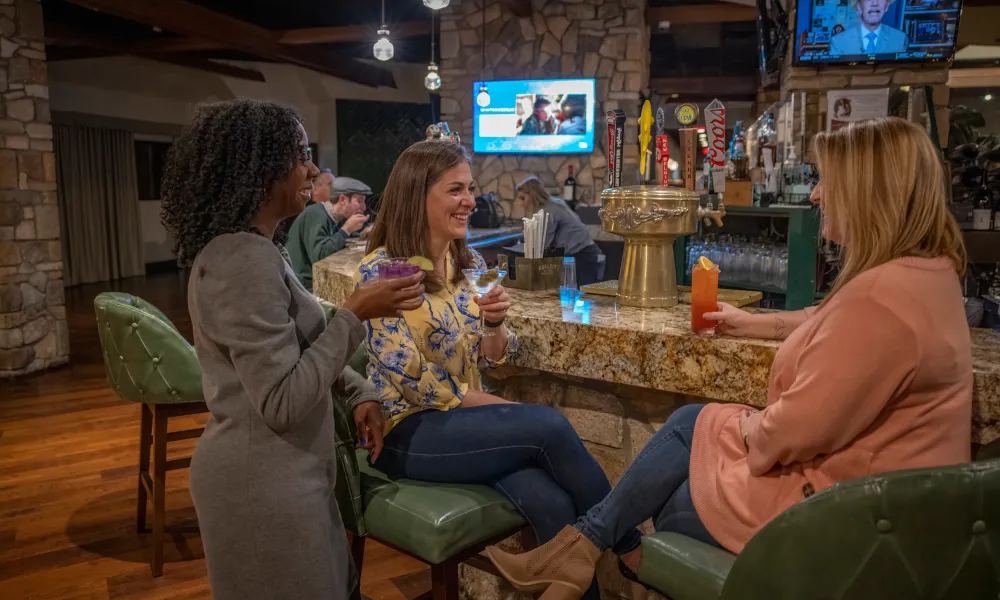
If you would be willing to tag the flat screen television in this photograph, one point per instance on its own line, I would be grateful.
(875, 31)
(550, 116)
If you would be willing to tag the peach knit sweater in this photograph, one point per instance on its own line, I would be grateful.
(879, 379)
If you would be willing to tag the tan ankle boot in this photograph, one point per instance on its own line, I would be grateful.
(563, 568)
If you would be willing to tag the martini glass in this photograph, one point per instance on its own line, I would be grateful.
(484, 281)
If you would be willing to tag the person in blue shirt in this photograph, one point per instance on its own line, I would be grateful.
(871, 36)
(337, 213)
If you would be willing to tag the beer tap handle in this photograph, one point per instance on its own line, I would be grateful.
(709, 215)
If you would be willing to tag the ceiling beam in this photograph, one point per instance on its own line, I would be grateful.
(519, 8)
(104, 45)
(188, 19)
(715, 12)
(291, 37)
(705, 87)
(350, 33)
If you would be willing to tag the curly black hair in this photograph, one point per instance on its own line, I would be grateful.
(219, 171)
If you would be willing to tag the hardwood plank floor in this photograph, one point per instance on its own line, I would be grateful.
(68, 460)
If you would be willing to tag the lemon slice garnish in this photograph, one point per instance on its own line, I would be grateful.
(706, 264)
(424, 263)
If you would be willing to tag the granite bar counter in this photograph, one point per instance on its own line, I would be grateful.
(591, 337)
(618, 372)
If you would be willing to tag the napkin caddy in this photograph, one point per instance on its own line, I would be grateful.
(535, 274)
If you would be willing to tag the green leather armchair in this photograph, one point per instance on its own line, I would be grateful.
(924, 533)
(149, 362)
(439, 524)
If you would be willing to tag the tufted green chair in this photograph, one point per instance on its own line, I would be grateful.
(441, 525)
(923, 533)
(149, 362)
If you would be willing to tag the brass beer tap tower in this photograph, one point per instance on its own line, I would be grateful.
(649, 217)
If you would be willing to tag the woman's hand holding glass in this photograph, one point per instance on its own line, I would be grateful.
(494, 305)
(768, 326)
(386, 298)
(733, 321)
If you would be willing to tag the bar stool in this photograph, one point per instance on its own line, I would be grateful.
(148, 361)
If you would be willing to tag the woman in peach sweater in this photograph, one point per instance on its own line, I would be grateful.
(877, 378)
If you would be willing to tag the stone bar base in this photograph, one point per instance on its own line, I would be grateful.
(615, 422)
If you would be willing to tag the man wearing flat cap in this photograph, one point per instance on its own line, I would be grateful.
(337, 213)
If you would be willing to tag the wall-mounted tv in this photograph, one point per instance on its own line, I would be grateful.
(875, 31)
(551, 116)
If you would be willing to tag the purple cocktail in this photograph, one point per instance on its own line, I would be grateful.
(395, 268)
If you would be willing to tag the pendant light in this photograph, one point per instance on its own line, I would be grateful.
(432, 81)
(383, 49)
(436, 4)
(483, 98)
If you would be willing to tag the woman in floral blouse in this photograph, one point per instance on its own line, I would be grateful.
(440, 425)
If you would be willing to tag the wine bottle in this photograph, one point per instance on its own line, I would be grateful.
(569, 190)
(982, 211)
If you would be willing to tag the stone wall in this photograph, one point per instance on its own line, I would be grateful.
(33, 332)
(615, 422)
(604, 39)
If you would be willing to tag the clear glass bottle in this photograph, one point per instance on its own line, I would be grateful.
(982, 210)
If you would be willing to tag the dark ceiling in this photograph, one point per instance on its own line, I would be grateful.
(270, 14)
(687, 49)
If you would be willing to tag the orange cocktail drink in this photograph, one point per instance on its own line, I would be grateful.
(704, 295)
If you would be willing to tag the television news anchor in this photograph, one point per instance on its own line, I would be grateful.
(871, 36)
(877, 378)
(263, 474)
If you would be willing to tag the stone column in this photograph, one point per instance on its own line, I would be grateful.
(604, 39)
(33, 332)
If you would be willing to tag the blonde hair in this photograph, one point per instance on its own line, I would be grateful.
(884, 188)
(532, 186)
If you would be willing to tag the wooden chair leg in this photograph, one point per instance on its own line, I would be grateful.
(145, 439)
(358, 554)
(159, 487)
(358, 551)
(444, 580)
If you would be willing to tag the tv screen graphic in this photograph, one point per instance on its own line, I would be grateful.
(551, 116)
(874, 31)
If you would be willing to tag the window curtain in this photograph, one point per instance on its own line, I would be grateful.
(98, 204)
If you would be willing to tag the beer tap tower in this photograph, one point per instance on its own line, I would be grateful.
(649, 217)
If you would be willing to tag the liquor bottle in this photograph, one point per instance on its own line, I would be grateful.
(996, 213)
(569, 190)
(982, 210)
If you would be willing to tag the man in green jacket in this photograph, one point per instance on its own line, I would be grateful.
(337, 213)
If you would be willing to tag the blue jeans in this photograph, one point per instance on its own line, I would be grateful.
(655, 486)
(528, 453)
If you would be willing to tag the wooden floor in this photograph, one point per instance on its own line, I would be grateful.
(68, 456)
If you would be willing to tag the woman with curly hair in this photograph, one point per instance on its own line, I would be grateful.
(263, 474)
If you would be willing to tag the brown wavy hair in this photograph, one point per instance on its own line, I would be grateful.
(401, 225)
(884, 188)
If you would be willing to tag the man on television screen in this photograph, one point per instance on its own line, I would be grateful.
(871, 36)
(540, 122)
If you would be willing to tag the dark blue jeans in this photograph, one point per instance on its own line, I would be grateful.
(655, 486)
(528, 453)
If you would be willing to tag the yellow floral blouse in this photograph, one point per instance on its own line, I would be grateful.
(429, 358)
